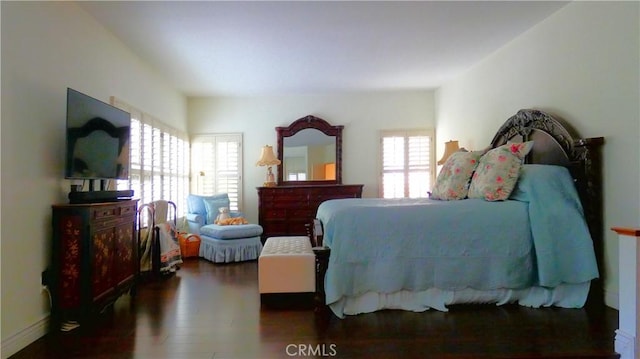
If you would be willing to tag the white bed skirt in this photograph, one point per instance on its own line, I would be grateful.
(564, 296)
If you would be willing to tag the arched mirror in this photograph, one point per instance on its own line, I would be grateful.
(310, 152)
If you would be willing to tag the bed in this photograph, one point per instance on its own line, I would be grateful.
(538, 246)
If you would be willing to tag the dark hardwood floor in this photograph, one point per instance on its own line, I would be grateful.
(214, 311)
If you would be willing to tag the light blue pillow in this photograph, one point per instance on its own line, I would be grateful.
(213, 206)
(195, 203)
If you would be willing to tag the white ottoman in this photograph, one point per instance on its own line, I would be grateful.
(287, 265)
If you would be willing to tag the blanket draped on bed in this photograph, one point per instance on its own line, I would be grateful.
(539, 239)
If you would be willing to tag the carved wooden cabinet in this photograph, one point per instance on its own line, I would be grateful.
(285, 210)
(94, 257)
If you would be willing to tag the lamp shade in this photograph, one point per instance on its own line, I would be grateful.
(449, 148)
(267, 157)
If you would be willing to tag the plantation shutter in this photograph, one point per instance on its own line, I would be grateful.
(217, 166)
(159, 160)
(393, 182)
(406, 161)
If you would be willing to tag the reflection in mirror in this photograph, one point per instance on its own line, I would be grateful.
(310, 150)
(309, 155)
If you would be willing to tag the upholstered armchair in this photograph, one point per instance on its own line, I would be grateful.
(221, 243)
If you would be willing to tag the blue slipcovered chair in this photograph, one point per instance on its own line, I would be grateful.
(221, 243)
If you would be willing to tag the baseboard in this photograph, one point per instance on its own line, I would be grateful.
(23, 338)
(625, 345)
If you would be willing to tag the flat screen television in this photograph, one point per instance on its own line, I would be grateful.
(98, 139)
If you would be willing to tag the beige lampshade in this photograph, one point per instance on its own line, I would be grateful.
(267, 157)
(449, 148)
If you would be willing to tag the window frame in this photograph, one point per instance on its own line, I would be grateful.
(217, 183)
(406, 134)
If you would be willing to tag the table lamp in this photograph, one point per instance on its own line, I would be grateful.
(449, 148)
(268, 158)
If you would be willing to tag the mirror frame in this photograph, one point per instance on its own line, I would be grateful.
(310, 122)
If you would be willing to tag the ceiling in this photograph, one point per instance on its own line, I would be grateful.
(241, 48)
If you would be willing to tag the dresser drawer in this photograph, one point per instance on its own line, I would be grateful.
(301, 213)
(104, 212)
(128, 210)
(288, 204)
(286, 199)
(292, 196)
(275, 228)
(271, 213)
(286, 210)
(297, 228)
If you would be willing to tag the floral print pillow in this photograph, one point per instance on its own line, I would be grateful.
(498, 171)
(453, 180)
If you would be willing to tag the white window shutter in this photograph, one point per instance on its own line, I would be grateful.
(159, 160)
(393, 181)
(406, 162)
(217, 166)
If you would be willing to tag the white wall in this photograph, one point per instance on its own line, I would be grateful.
(362, 114)
(47, 47)
(581, 64)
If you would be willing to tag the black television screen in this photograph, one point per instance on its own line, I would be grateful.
(98, 139)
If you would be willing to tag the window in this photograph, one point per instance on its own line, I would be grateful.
(407, 158)
(217, 166)
(295, 176)
(159, 160)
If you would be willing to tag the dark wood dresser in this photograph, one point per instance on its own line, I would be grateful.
(94, 257)
(285, 210)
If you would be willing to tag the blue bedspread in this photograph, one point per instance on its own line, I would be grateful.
(382, 245)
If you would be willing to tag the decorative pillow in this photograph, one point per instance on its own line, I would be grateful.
(213, 206)
(498, 171)
(453, 180)
(195, 203)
